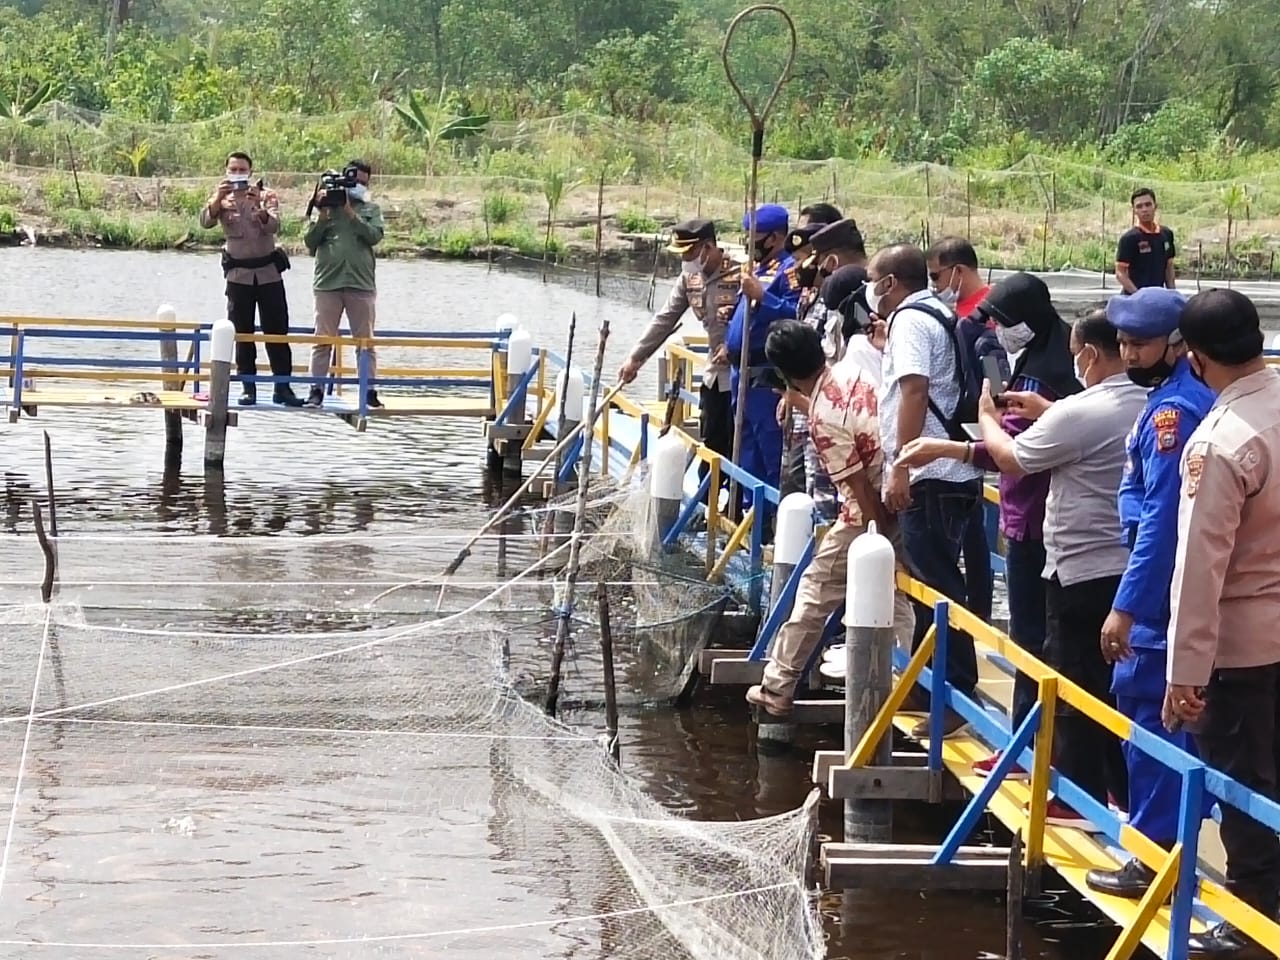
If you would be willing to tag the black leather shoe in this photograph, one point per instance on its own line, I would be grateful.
(248, 398)
(315, 398)
(371, 399)
(285, 396)
(1224, 940)
(1130, 881)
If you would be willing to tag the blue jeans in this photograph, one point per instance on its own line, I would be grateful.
(1023, 566)
(933, 532)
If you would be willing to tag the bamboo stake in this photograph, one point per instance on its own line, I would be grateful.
(575, 542)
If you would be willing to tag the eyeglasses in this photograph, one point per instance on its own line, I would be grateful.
(934, 275)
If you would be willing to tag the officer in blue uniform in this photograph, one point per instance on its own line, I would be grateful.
(1134, 635)
(773, 292)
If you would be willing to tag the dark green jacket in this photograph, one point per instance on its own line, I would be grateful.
(343, 247)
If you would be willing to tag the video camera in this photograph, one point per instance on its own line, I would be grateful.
(335, 185)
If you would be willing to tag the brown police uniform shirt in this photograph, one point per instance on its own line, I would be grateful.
(247, 237)
(1226, 578)
(712, 299)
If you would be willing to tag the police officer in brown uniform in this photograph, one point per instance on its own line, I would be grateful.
(708, 285)
(1224, 649)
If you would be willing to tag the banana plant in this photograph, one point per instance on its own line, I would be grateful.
(19, 111)
(433, 124)
(136, 157)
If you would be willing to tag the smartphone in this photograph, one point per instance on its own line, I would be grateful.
(994, 376)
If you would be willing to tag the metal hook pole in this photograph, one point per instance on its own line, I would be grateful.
(758, 117)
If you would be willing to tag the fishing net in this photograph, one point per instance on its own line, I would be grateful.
(227, 764)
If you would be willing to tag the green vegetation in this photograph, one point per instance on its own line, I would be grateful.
(1025, 126)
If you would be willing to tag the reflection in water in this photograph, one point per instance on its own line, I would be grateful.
(311, 479)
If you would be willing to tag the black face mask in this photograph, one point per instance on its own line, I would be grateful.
(808, 274)
(1198, 374)
(762, 247)
(1154, 375)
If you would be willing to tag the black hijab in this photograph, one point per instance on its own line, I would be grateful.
(1024, 298)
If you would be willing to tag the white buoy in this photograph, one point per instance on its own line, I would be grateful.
(868, 671)
(166, 317)
(570, 394)
(519, 352)
(668, 461)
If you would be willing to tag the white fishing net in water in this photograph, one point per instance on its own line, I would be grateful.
(225, 785)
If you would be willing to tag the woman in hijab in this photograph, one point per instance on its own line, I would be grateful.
(1028, 327)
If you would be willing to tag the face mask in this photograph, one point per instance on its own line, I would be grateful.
(691, 266)
(1081, 375)
(762, 247)
(1014, 339)
(1195, 368)
(1154, 375)
(948, 298)
(358, 192)
(875, 298)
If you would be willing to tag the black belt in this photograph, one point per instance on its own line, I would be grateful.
(276, 258)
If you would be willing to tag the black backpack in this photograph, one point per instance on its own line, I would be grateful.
(966, 338)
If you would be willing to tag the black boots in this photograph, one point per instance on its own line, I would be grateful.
(1130, 881)
(315, 398)
(285, 396)
(1224, 940)
(250, 395)
(371, 399)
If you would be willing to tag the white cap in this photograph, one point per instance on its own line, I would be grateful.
(870, 586)
(668, 465)
(794, 528)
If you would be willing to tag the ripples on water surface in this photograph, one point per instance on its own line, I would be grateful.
(378, 508)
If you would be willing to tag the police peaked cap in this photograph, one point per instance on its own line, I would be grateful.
(691, 232)
(841, 235)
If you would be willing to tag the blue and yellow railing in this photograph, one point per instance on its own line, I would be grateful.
(1183, 897)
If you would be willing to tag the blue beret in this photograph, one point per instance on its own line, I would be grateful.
(769, 218)
(1147, 313)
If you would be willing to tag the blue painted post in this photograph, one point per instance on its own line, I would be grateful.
(1190, 811)
(18, 383)
(196, 337)
(759, 503)
(938, 686)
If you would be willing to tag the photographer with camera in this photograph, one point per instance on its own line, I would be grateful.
(342, 238)
(252, 264)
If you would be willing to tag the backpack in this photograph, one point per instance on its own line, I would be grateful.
(970, 342)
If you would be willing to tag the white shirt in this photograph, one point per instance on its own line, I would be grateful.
(862, 353)
(918, 345)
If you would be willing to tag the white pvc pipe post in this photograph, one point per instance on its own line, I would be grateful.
(792, 535)
(667, 465)
(570, 396)
(868, 675)
(519, 359)
(167, 322)
(222, 344)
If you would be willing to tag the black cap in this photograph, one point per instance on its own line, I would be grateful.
(800, 236)
(841, 235)
(685, 235)
(842, 284)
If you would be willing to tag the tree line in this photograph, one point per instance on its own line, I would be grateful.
(1143, 81)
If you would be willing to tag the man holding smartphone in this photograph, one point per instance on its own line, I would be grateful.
(250, 219)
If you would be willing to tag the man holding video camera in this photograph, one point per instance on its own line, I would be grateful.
(252, 264)
(342, 238)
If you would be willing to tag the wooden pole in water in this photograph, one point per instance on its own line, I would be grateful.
(599, 230)
(165, 318)
(610, 679)
(222, 345)
(48, 485)
(1013, 901)
(50, 557)
(575, 543)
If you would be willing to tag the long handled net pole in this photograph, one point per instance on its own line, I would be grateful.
(758, 115)
(579, 519)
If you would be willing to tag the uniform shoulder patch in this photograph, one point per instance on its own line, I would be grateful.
(1166, 423)
(1191, 472)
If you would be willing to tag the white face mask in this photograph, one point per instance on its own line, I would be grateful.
(948, 297)
(1081, 375)
(691, 266)
(1014, 339)
(875, 299)
(359, 192)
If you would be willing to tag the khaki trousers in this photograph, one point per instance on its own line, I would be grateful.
(821, 589)
(360, 307)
